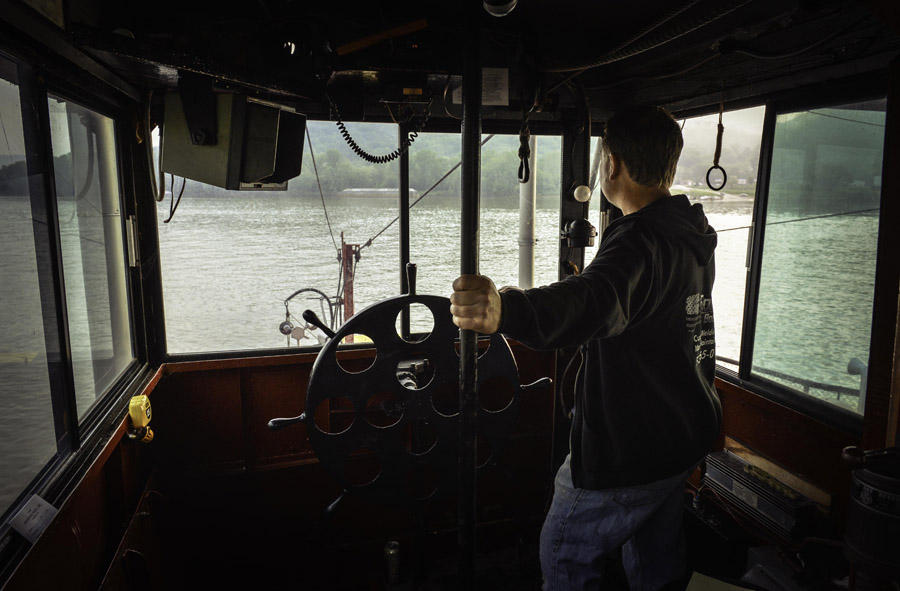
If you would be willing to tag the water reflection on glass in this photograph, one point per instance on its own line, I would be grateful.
(27, 437)
(818, 269)
(90, 226)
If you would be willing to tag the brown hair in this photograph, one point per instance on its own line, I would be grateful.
(648, 140)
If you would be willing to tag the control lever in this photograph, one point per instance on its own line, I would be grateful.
(311, 317)
(411, 278)
(539, 383)
(276, 424)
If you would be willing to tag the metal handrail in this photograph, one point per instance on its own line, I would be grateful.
(806, 384)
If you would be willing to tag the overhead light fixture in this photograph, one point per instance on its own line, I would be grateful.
(499, 7)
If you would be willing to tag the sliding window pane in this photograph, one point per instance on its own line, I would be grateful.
(818, 269)
(94, 265)
(729, 210)
(27, 437)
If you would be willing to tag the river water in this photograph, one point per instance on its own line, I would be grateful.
(229, 262)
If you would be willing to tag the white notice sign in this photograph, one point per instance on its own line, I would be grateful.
(33, 518)
(494, 88)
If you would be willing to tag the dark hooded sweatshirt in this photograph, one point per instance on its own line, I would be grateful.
(645, 405)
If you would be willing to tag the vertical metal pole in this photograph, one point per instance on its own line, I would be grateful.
(404, 226)
(347, 255)
(527, 197)
(574, 171)
(468, 382)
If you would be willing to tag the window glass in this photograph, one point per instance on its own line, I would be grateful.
(729, 210)
(435, 221)
(94, 263)
(818, 267)
(230, 259)
(27, 437)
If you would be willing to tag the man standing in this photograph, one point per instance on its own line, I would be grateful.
(646, 411)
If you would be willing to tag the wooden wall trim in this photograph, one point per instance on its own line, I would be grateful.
(806, 447)
(877, 428)
(71, 553)
(177, 367)
(893, 428)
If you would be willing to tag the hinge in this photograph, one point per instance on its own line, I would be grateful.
(131, 241)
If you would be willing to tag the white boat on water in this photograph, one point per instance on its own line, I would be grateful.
(372, 193)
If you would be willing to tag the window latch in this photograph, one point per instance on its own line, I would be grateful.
(131, 241)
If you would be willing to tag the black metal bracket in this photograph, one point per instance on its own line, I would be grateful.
(199, 104)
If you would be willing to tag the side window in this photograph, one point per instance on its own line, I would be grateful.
(814, 310)
(729, 210)
(92, 246)
(27, 438)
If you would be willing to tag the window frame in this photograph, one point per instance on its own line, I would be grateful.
(37, 79)
(541, 129)
(61, 91)
(805, 99)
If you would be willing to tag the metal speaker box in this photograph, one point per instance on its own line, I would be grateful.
(259, 145)
(768, 502)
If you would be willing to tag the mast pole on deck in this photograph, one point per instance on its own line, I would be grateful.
(527, 198)
(468, 383)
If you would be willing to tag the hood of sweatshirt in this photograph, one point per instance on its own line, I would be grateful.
(675, 216)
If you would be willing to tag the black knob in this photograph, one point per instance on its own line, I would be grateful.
(311, 317)
(411, 278)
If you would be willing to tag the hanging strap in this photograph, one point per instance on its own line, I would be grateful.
(718, 154)
(524, 152)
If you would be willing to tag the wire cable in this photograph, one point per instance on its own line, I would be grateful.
(312, 155)
(761, 55)
(872, 123)
(646, 31)
(812, 217)
(174, 203)
(631, 48)
(382, 158)
(422, 196)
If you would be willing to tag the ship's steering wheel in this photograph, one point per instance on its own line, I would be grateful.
(404, 406)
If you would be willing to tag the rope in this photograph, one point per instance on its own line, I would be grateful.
(524, 152)
(718, 154)
(422, 196)
(312, 155)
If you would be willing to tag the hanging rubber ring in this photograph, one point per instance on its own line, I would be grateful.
(724, 177)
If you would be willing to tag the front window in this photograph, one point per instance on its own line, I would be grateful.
(230, 259)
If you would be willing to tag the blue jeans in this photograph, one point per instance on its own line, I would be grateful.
(583, 526)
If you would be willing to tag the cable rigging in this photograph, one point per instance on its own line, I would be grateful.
(422, 196)
(312, 155)
(804, 219)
